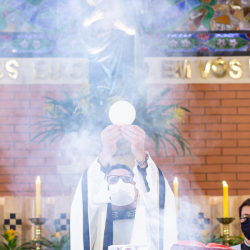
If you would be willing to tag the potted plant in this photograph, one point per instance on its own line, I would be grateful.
(89, 112)
(58, 241)
(12, 243)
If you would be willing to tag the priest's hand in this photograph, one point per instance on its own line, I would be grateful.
(110, 135)
(136, 136)
(95, 16)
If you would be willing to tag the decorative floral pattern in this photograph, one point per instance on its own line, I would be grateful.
(233, 42)
(43, 27)
(203, 49)
(203, 36)
(173, 43)
(36, 44)
(185, 43)
(24, 44)
(221, 43)
(155, 45)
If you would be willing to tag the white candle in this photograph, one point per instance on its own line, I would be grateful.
(38, 197)
(175, 185)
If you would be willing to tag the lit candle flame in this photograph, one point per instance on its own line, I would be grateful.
(175, 179)
(38, 178)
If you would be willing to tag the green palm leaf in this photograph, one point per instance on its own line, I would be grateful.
(187, 110)
(158, 97)
(156, 140)
(172, 144)
(154, 119)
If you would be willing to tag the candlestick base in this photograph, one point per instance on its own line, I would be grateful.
(225, 222)
(38, 222)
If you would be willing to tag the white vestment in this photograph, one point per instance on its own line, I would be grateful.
(237, 247)
(155, 217)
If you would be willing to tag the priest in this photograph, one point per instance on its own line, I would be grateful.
(114, 205)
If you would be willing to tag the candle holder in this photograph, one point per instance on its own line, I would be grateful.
(38, 222)
(225, 222)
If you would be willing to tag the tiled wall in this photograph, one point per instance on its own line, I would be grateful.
(217, 129)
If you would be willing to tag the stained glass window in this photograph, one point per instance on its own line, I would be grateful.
(52, 27)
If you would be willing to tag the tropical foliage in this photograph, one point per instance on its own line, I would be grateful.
(89, 111)
(58, 242)
(206, 237)
(12, 242)
(234, 240)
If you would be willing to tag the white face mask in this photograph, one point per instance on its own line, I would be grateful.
(122, 193)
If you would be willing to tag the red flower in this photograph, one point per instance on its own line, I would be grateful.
(6, 37)
(6, 50)
(203, 49)
(203, 36)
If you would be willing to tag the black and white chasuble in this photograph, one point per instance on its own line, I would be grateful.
(92, 226)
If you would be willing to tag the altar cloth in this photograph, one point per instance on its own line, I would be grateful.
(130, 247)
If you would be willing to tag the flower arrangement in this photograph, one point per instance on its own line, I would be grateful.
(58, 241)
(89, 111)
(207, 237)
(234, 240)
(12, 242)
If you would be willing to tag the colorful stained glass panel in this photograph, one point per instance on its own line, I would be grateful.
(170, 26)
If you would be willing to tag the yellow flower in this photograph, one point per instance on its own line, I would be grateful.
(83, 105)
(204, 233)
(178, 113)
(56, 235)
(11, 234)
(85, 89)
(52, 109)
(49, 107)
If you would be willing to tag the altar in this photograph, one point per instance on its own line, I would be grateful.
(196, 216)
